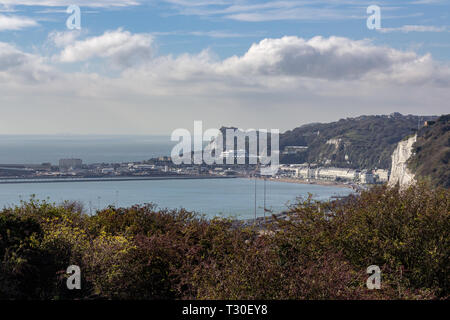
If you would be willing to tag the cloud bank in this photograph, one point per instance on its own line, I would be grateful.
(124, 48)
(298, 59)
(413, 28)
(15, 22)
(65, 3)
(278, 83)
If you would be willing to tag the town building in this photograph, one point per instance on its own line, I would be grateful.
(70, 164)
(294, 149)
(366, 177)
(108, 170)
(336, 174)
(381, 175)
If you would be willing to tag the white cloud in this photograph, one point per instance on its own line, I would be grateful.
(297, 59)
(220, 34)
(15, 22)
(63, 38)
(258, 11)
(318, 57)
(278, 83)
(122, 47)
(279, 10)
(428, 2)
(84, 3)
(17, 66)
(413, 28)
(268, 63)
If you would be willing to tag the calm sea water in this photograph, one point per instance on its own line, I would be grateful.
(37, 149)
(213, 197)
(228, 197)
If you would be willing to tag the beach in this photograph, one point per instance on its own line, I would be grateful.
(312, 182)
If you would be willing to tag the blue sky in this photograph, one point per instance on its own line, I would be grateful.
(170, 46)
(229, 27)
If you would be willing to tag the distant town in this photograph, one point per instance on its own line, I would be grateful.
(339, 153)
(163, 168)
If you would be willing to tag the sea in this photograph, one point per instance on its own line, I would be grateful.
(37, 149)
(233, 197)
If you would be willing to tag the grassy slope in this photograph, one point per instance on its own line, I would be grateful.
(432, 153)
(368, 141)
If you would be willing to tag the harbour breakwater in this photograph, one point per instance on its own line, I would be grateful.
(56, 180)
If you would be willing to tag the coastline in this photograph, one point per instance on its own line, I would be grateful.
(115, 179)
(175, 177)
(313, 182)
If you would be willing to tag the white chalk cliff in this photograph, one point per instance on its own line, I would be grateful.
(399, 170)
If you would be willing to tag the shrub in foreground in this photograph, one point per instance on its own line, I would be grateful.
(320, 251)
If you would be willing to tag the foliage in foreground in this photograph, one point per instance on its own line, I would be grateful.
(431, 157)
(320, 252)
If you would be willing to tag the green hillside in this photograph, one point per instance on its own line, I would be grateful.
(432, 152)
(365, 142)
